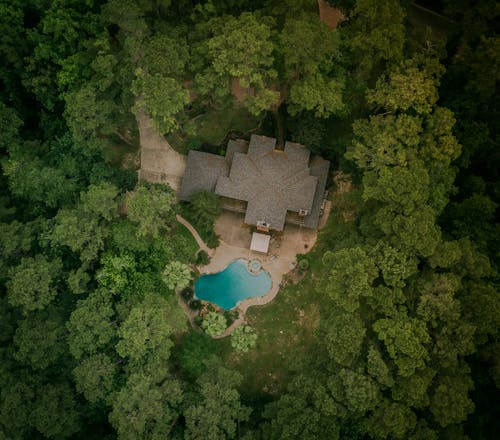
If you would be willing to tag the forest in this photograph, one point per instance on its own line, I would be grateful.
(393, 332)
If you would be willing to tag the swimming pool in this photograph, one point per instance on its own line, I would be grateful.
(232, 285)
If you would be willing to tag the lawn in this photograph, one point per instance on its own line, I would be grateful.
(286, 332)
(189, 245)
(206, 231)
(287, 326)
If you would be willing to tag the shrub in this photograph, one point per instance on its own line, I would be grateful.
(198, 320)
(187, 294)
(195, 304)
(243, 338)
(202, 258)
(230, 316)
(213, 241)
(214, 324)
(193, 143)
(176, 275)
(303, 264)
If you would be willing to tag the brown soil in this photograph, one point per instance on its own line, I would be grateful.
(329, 15)
(240, 92)
(343, 182)
(188, 84)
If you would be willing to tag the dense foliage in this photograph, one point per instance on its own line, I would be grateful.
(94, 344)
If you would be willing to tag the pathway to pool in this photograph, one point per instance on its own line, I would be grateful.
(195, 234)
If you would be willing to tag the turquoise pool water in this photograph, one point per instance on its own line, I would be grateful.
(234, 284)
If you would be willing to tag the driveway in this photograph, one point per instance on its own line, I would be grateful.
(160, 163)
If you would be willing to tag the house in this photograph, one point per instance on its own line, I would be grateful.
(271, 186)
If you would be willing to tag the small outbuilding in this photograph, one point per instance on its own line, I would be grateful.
(260, 242)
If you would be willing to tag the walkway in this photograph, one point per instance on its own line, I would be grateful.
(160, 163)
(194, 233)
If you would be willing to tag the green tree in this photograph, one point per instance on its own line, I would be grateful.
(32, 283)
(146, 332)
(88, 117)
(101, 200)
(94, 377)
(10, 122)
(450, 402)
(237, 48)
(312, 67)
(161, 97)
(152, 207)
(214, 324)
(39, 339)
(176, 275)
(405, 340)
(361, 392)
(344, 335)
(145, 409)
(243, 338)
(405, 88)
(91, 326)
(350, 274)
(319, 94)
(54, 413)
(78, 232)
(30, 179)
(395, 266)
(116, 273)
(196, 346)
(16, 407)
(217, 411)
(166, 55)
(414, 390)
(307, 411)
(15, 242)
(206, 206)
(390, 420)
(377, 32)
(377, 368)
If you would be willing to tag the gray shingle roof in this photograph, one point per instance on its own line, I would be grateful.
(235, 146)
(202, 172)
(319, 168)
(271, 181)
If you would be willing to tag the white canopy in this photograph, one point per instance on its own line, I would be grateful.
(260, 242)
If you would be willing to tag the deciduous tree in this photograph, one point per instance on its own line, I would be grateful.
(152, 207)
(94, 377)
(243, 338)
(218, 410)
(91, 325)
(214, 324)
(145, 409)
(176, 275)
(32, 284)
(40, 339)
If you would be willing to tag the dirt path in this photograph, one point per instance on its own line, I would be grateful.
(160, 163)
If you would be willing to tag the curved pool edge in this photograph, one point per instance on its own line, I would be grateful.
(243, 304)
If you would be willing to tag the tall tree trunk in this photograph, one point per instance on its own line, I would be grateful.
(280, 143)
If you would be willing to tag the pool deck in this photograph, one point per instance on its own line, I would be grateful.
(235, 239)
